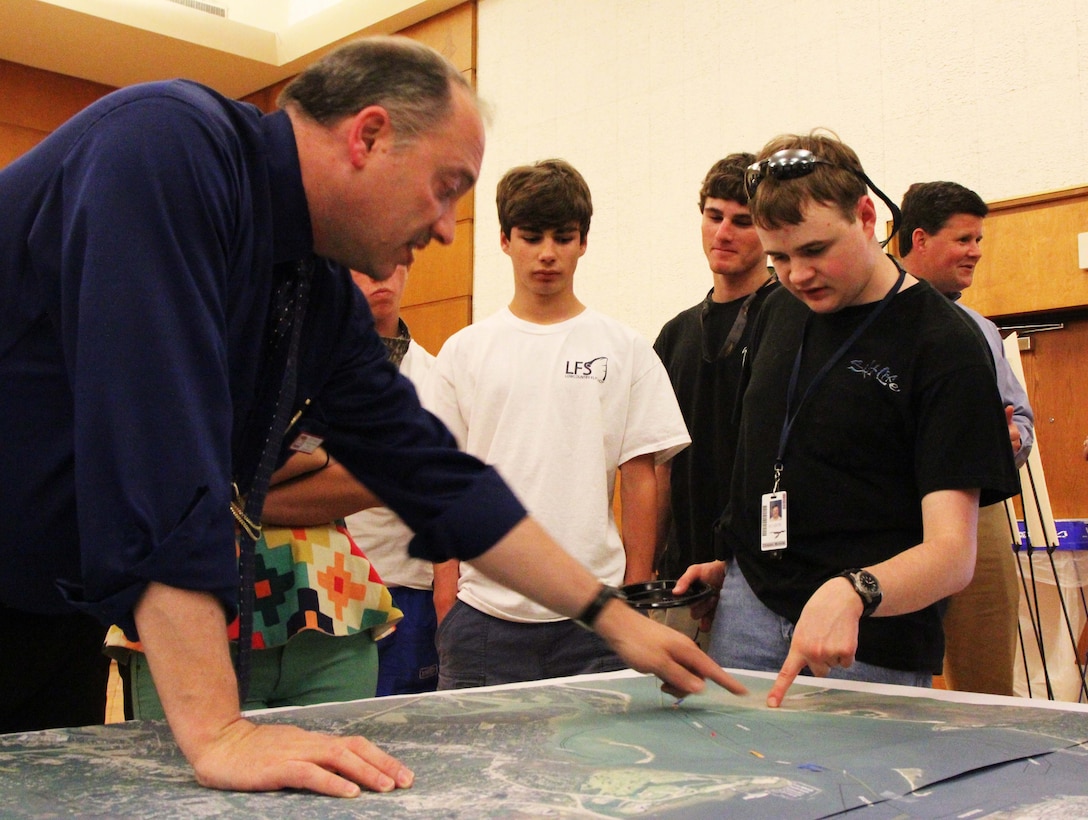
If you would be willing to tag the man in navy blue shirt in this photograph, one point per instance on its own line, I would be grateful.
(140, 246)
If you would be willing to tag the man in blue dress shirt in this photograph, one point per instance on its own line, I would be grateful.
(140, 246)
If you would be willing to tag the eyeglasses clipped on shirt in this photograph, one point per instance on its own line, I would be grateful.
(794, 163)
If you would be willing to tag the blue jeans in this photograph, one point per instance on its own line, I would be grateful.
(748, 635)
(476, 649)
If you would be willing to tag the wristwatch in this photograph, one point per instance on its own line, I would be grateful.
(867, 587)
(592, 612)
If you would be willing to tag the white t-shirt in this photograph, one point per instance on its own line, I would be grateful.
(556, 408)
(379, 531)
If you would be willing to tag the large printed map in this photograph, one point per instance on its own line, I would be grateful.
(607, 747)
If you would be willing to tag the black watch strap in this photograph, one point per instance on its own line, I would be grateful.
(589, 615)
(867, 587)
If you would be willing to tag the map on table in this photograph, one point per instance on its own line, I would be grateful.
(608, 746)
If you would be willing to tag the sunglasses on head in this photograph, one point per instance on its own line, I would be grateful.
(793, 163)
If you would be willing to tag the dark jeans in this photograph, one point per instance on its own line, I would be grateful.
(475, 649)
(53, 672)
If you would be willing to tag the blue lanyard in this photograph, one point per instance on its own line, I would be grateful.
(791, 417)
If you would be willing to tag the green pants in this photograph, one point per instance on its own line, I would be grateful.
(311, 668)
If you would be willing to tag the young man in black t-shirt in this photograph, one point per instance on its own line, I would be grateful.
(872, 417)
(702, 349)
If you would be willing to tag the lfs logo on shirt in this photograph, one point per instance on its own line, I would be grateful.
(593, 369)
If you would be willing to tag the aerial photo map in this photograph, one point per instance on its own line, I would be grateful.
(609, 746)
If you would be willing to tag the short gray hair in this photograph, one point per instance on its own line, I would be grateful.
(413, 82)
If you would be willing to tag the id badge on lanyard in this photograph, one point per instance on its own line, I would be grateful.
(772, 532)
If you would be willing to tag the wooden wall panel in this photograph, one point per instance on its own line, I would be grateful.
(1054, 371)
(451, 33)
(265, 99)
(442, 271)
(434, 322)
(438, 301)
(1029, 256)
(33, 103)
(15, 140)
(42, 100)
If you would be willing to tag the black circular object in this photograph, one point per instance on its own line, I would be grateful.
(658, 594)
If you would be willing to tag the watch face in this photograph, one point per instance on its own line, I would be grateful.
(867, 584)
(868, 589)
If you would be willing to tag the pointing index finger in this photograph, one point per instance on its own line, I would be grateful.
(789, 672)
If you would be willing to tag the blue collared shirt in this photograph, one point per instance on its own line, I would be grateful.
(138, 247)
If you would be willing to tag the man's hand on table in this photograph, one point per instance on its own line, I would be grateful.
(250, 757)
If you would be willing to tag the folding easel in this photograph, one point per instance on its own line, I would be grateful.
(1041, 538)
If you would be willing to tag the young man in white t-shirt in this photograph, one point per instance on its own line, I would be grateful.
(558, 397)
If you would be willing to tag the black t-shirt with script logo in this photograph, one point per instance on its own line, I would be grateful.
(910, 408)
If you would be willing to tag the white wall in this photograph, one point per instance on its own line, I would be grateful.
(642, 96)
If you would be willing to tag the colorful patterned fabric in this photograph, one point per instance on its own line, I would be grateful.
(307, 578)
